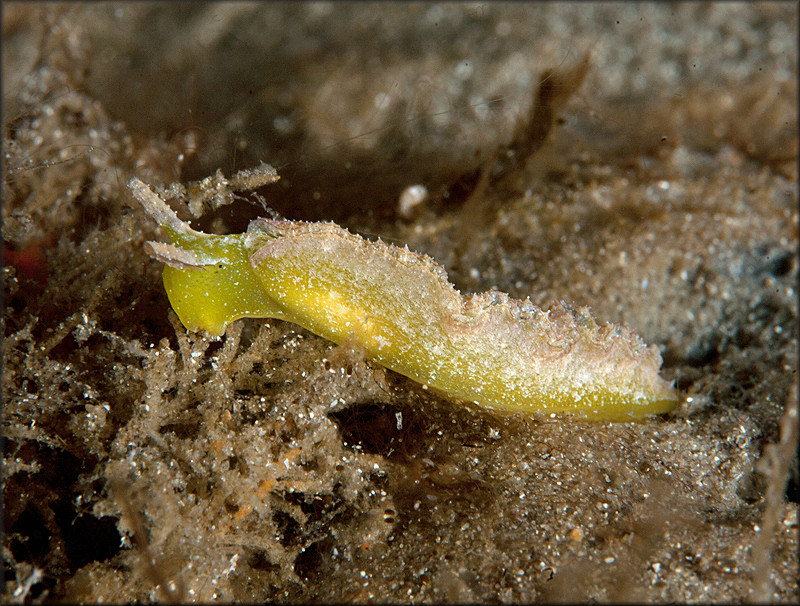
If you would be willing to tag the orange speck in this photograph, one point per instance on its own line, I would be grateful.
(242, 512)
(265, 488)
(576, 534)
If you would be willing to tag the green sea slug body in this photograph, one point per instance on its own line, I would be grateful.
(503, 354)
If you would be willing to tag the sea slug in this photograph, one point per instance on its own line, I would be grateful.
(503, 354)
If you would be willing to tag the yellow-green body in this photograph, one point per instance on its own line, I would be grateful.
(504, 354)
(210, 297)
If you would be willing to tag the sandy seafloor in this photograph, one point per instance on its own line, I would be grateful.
(142, 462)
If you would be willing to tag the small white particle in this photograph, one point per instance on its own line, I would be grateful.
(410, 199)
